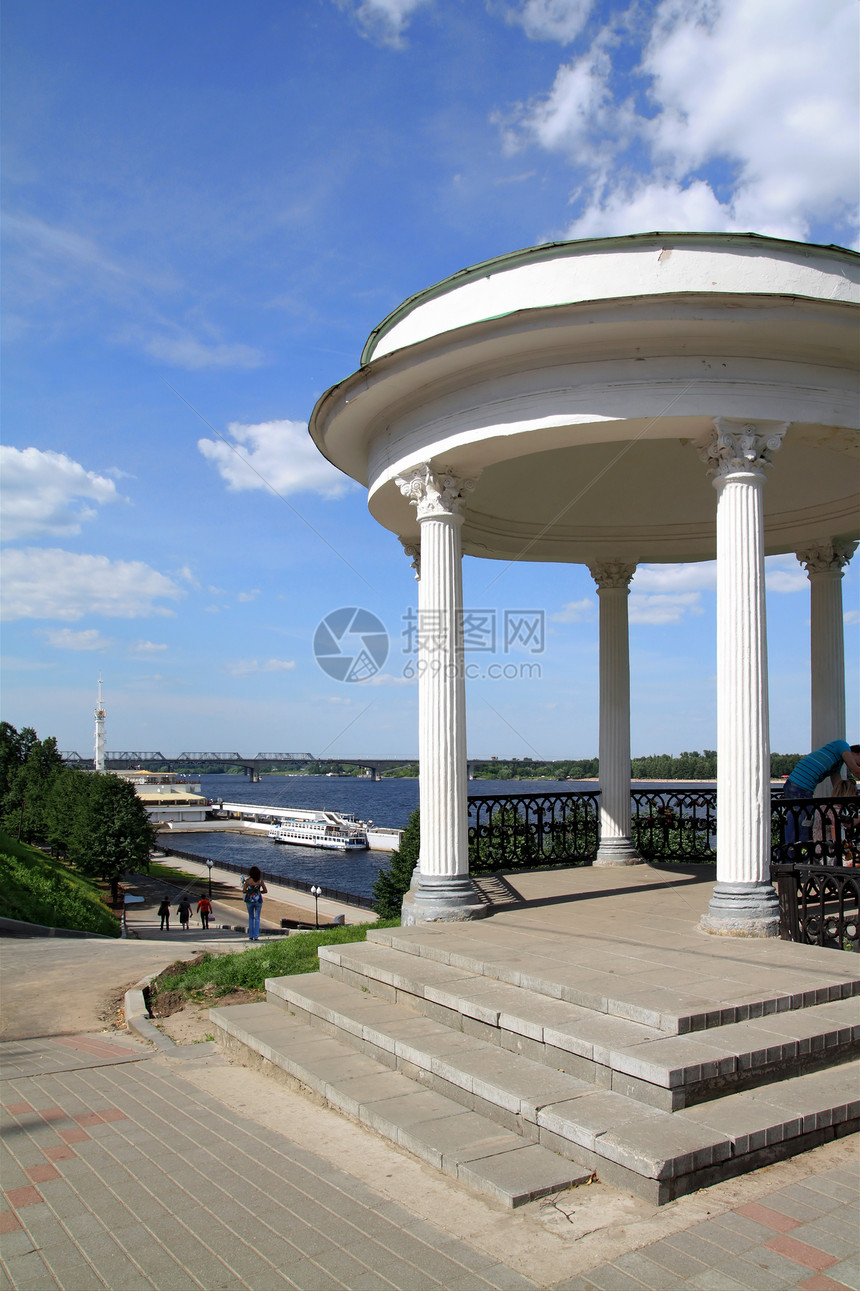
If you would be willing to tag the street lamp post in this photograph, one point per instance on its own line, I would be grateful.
(210, 864)
(316, 893)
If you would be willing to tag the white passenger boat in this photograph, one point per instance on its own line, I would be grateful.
(327, 829)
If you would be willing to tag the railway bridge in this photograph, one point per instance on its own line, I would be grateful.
(253, 767)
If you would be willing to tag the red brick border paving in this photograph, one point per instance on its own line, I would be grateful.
(768, 1218)
(810, 1256)
(60, 1153)
(73, 1136)
(45, 1173)
(20, 1197)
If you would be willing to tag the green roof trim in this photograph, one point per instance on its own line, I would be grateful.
(511, 259)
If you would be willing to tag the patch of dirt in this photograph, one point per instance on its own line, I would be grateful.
(113, 1015)
(166, 1003)
(190, 1023)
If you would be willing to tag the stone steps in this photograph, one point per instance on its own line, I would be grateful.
(653, 992)
(664, 1070)
(449, 1137)
(366, 1056)
(592, 1030)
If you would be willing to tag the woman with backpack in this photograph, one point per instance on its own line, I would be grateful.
(253, 889)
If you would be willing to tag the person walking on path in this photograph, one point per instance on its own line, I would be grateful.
(164, 914)
(809, 772)
(204, 909)
(253, 889)
(184, 909)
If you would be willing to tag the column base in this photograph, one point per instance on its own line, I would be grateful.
(617, 851)
(742, 910)
(442, 899)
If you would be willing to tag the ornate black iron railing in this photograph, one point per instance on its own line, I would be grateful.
(510, 831)
(819, 905)
(675, 824)
(816, 831)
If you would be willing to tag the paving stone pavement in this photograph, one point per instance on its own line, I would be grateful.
(806, 1235)
(122, 1174)
(119, 1172)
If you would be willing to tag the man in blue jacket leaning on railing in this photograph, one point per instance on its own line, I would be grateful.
(810, 771)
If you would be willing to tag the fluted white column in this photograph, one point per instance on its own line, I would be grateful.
(744, 902)
(444, 890)
(613, 588)
(824, 564)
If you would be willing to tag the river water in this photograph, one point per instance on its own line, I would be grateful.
(385, 802)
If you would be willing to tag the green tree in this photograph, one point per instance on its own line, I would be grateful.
(111, 833)
(25, 804)
(67, 800)
(393, 882)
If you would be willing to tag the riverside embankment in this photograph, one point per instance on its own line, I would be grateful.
(281, 894)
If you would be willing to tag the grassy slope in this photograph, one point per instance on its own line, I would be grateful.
(38, 889)
(250, 968)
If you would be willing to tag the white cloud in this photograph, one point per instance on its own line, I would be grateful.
(576, 611)
(387, 679)
(45, 494)
(53, 257)
(245, 667)
(382, 20)
(48, 583)
(765, 93)
(663, 206)
(851, 617)
(190, 353)
(661, 594)
(88, 639)
(15, 663)
(663, 607)
(276, 453)
(785, 574)
(148, 647)
(693, 577)
(560, 20)
(244, 598)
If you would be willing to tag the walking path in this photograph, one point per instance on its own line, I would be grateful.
(301, 903)
(123, 1167)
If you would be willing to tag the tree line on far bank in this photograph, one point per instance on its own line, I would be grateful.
(657, 766)
(96, 822)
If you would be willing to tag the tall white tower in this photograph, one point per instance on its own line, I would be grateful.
(100, 732)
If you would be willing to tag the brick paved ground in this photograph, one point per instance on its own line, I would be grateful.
(806, 1235)
(119, 1172)
(122, 1174)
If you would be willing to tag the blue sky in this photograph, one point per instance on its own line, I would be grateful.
(206, 210)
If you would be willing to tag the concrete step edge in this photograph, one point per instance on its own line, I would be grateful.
(498, 1163)
(408, 942)
(772, 1039)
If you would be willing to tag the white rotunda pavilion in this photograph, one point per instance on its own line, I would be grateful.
(655, 398)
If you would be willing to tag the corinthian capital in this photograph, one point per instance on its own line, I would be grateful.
(829, 557)
(413, 554)
(741, 447)
(612, 573)
(434, 493)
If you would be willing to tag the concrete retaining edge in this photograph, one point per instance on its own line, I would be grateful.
(137, 1020)
(20, 928)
